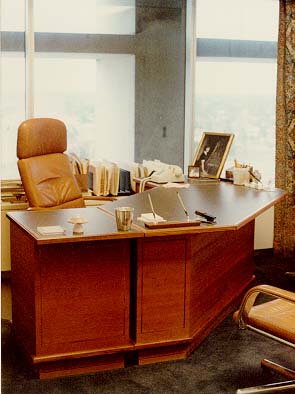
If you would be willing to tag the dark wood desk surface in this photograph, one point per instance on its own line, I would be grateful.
(233, 206)
(99, 226)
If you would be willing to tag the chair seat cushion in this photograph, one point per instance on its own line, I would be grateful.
(276, 317)
(49, 182)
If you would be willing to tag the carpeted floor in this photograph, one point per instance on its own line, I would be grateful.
(226, 360)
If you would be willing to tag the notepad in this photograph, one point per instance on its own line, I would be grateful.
(149, 218)
(50, 230)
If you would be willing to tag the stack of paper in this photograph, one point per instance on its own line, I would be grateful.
(79, 165)
(50, 230)
(105, 177)
(150, 218)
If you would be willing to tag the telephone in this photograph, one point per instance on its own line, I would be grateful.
(163, 173)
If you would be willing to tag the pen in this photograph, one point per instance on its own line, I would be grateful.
(209, 218)
(151, 204)
(255, 177)
(182, 204)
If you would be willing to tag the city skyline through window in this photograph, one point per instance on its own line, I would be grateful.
(236, 93)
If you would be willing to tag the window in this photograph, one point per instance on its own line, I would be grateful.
(74, 80)
(93, 93)
(12, 82)
(236, 77)
(12, 16)
(112, 70)
(94, 97)
(75, 16)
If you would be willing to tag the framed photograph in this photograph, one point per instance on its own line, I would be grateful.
(211, 153)
(193, 172)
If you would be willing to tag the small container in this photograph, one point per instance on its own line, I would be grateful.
(241, 176)
(78, 222)
(124, 218)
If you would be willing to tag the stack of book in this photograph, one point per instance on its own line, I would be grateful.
(12, 190)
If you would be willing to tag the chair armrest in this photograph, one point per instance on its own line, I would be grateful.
(241, 316)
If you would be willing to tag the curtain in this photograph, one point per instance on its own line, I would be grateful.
(284, 231)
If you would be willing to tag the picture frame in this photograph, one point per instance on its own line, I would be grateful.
(212, 152)
(193, 172)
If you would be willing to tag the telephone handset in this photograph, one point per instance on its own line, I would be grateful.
(162, 172)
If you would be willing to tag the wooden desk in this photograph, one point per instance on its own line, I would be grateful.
(107, 299)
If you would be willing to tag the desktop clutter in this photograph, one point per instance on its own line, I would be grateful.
(154, 221)
(245, 175)
(106, 178)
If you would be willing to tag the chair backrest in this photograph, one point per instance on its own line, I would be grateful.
(44, 168)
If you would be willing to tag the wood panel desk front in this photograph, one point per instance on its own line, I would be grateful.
(106, 299)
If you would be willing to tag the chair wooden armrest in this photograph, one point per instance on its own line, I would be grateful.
(241, 316)
(273, 319)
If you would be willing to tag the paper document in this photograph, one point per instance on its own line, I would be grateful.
(50, 230)
(149, 218)
(105, 176)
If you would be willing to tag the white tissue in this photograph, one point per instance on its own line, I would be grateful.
(50, 230)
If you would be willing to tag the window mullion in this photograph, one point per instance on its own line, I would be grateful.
(29, 56)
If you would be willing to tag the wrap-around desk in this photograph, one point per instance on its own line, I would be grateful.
(106, 299)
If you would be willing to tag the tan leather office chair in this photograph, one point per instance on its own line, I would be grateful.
(45, 169)
(275, 319)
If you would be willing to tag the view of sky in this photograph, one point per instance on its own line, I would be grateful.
(236, 77)
(72, 16)
(237, 19)
(231, 19)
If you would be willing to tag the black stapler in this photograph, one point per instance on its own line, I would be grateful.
(209, 218)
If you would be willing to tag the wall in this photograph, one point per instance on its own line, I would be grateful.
(264, 230)
(160, 82)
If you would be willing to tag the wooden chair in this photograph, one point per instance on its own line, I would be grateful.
(275, 319)
(44, 168)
